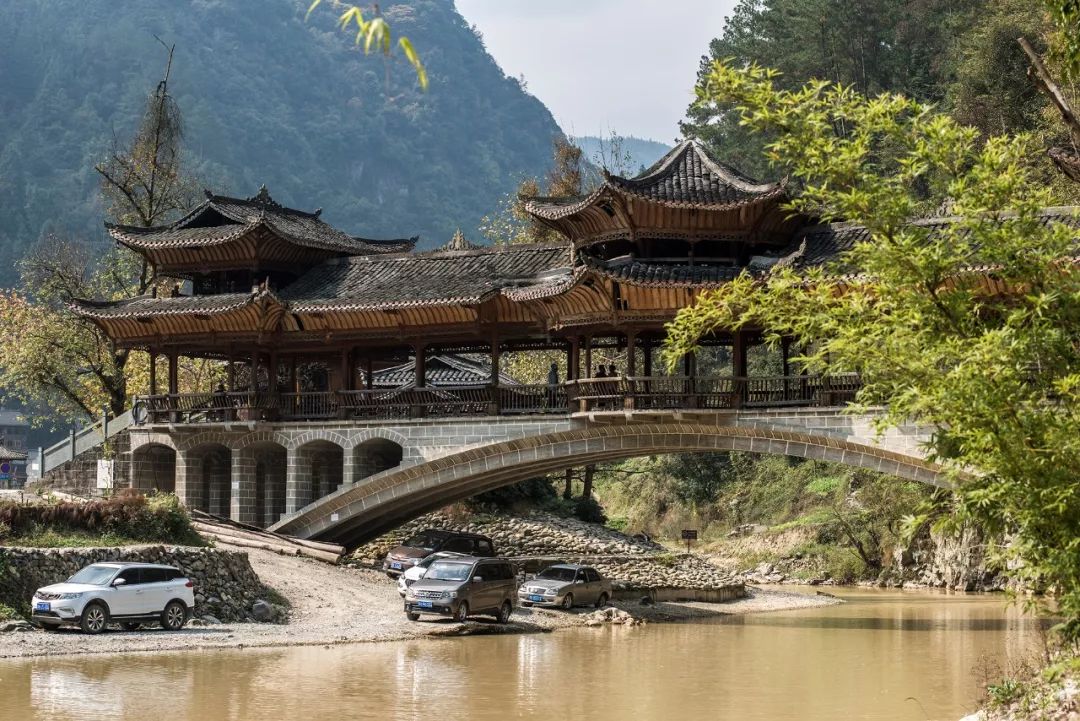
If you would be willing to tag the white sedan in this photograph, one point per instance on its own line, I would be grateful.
(411, 575)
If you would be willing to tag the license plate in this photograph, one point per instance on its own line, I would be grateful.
(424, 604)
(534, 597)
(41, 606)
(396, 565)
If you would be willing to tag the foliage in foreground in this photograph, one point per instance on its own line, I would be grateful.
(123, 519)
(997, 373)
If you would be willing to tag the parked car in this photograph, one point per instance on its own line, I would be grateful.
(566, 585)
(425, 543)
(126, 593)
(460, 587)
(415, 573)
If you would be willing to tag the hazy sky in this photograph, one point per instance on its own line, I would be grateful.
(600, 64)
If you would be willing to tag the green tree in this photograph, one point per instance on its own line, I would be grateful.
(994, 367)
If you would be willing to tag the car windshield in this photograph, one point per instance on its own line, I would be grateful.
(448, 571)
(426, 540)
(557, 574)
(94, 575)
(430, 560)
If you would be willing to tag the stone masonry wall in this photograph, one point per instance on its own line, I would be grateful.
(225, 584)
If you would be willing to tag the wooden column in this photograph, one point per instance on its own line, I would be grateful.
(573, 363)
(631, 353)
(346, 369)
(785, 351)
(294, 380)
(153, 373)
(272, 373)
(646, 351)
(369, 373)
(588, 358)
(420, 369)
(739, 368)
(230, 373)
(174, 373)
(493, 381)
(253, 370)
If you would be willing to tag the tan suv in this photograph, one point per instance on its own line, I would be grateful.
(461, 587)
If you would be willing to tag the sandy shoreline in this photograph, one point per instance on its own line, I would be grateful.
(332, 605)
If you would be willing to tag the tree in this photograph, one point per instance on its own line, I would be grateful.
(61, 363)
(994, 368)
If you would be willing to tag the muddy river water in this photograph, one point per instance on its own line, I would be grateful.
(882, 655)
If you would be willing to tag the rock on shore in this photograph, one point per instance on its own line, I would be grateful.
(632, 563)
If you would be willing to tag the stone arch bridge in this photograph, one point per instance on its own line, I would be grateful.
(351, 480)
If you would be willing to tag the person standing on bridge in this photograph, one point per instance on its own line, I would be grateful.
(553, 383)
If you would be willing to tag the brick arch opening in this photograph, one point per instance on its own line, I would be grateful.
(210, 478)
(319, 471)
(153, 468)
(364, 510)
(268, 467)
(375, 455)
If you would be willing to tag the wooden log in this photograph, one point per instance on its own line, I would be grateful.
(242, 531)
(212, 519)
(270, 544)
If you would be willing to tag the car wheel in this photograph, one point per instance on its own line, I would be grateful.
(412, 616)
(504, 612)
(131, 626)
(568, 601)
(462, 612)
(174, 616)
(94, 618)
(602, 601)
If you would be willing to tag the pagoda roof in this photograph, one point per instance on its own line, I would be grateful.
(220, 219)
(687, 177)
(435, 278)
(446, 370)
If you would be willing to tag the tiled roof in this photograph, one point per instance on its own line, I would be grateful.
(645, 273)
(462, 277)
(220, 219)
(7, 454)
(441, 371)
(686, 177)
(146, 305)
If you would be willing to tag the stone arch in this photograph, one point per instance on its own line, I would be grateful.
(335, 437)
(153, 468)
(209, 477)
(262, 439)
(206, 438)
(318, 470)
(268, 461)
(375, 455)
(369, 507)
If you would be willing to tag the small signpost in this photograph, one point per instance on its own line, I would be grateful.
(689, 534)
(104, 475)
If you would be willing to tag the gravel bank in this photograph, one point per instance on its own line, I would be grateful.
(332, 605)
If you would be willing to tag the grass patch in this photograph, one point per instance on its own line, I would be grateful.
(274, 596)
(45, 537)
(7, 613)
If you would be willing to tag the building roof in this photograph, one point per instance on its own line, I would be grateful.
(437, 278)
(221, 219)
(6, 454)
(13, 418)
(441, 371)
(687, 177)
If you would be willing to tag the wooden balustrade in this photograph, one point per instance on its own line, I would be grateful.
(587, 395)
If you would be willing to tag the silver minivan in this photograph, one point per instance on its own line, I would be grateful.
(461, 587)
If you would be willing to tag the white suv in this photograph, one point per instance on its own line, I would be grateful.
(126, 593)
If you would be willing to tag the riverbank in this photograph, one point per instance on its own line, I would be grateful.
(339, 605)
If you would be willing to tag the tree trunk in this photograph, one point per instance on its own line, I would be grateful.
(586, 491)
(567, 492)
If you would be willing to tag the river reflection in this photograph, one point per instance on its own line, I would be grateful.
(883, 655)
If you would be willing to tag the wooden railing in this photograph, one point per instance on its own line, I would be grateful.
(587, 395)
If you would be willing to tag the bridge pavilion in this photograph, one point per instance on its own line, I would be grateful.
(306, 318)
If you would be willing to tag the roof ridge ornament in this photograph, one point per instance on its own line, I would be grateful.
(263, 199)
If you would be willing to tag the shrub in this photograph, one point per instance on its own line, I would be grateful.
(589, 510)
(154, 518)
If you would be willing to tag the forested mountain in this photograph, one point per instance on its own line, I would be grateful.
(267, 98)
